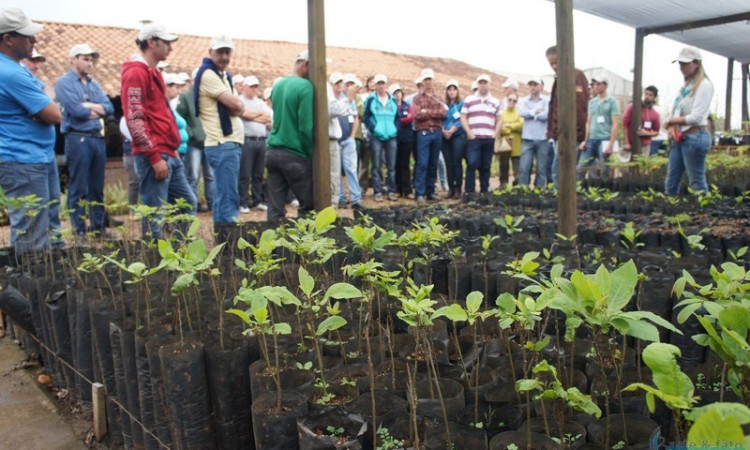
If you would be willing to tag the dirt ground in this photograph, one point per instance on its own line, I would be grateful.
(31, 417)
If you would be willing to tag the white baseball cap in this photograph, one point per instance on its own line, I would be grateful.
(267, 93)
(483, 77)
(602, 80)
(689, 54)
(251, 80)
(351, 78)
(304, 55)
(238, 79)
(510, 83)
(393, 88)
(156, 30)
(218, 42)
(450, 83)
(173, 78)
(184, 77)
(35, 55)
(536, 80)
(380, 78)
(419, 80)
(336, 77)
(82, 49)
(14, 20)
(427, 73)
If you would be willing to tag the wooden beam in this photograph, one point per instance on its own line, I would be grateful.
(728, 99)
(99, 406)
(316, 35)
(744, 96)
(698, 23)
(635, 123)
(566, 106)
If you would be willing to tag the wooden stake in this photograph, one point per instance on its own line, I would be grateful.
(316, 36)
(100, 410)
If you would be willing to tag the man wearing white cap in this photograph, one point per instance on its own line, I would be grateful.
(601, 130)
(534, 144)
(256, 120)
(380, 119)
(337, 107)
(480, 119)
(347, 89)
(154, 131)
(290, 144)
(27, 139)
(429, 112)
(219, 109)
(84, 106)
(34, 64)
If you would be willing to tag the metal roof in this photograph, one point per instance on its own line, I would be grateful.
(717, 26)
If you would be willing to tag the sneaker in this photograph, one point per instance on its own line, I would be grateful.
(294, 203)
(261, 207)
(433, 197)
(444, 187)
(358, 207)
(378, 197)
(244, 210)
(420, 199)
(392, 196)
(342, 205)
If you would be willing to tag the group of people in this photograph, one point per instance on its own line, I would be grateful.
(178, 126)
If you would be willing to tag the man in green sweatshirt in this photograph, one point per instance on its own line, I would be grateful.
(289, 161)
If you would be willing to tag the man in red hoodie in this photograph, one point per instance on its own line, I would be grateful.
(153, 128)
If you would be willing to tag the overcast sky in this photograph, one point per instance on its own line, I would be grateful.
(506, 36)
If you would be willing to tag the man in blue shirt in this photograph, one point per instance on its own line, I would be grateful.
(84, 106)
(535, 145)
(28, 172)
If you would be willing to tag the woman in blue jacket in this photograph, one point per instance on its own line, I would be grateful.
(454, 140)
(380, 116)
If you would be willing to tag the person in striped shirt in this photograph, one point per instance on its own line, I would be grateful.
(480, 119)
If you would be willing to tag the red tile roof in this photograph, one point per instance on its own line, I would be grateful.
(264, 59)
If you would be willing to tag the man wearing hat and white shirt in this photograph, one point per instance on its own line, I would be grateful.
(337, 107)
(480, 119)
(380, 119)
(601, 129)
(429, 112)
(534, 144)
(153, 129)
(257, 121)
(84, 106)
(219, 109)
(290, 144)
(27, 139)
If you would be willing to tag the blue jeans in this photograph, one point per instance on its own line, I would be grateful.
(156, 193)
(225, 161)
(195, 161)
(425, 171)
(453, 154)
(86, 156)
(349, 163)
(532, 149)
(442, 171)
(383, 150)
(593, 155)
(655, 145)
(688, 155)
(479, 153)
(32, 232)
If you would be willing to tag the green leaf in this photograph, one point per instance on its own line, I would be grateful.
(281, 328)
(713, 430)
(661, 358)
(474, 302)
(137, 268)
(528, 385)
(260, 315)
(197, 251)
(622, 286)
(194, 228)
(643, 330)
(725, 409)
(686, 312)
(183, 282)
(453, 312)
(342, 291)
(324, 219)
(242, 244)
(241, 314)
(330, 324)
(306, 282)
(505, 302)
